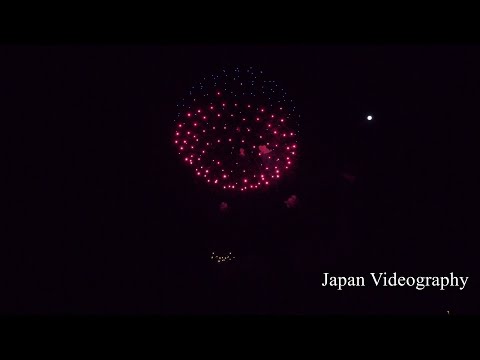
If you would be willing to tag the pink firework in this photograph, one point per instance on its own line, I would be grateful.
(236, 131)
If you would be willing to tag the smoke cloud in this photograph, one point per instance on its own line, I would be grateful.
(291, 202)
(264, 149)
(223, 206)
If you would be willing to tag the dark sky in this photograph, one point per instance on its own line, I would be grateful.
(106, 219)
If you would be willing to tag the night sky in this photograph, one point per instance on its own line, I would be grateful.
(106, 219)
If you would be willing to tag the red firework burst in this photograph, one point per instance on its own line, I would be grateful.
(234, 131)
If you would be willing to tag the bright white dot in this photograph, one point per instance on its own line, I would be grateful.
(369, 117)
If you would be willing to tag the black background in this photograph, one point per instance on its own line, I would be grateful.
(105, 219)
